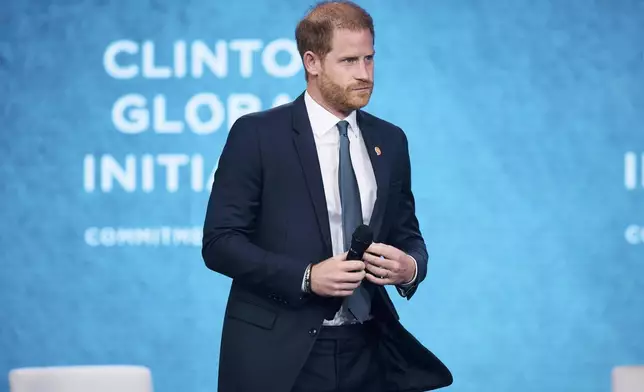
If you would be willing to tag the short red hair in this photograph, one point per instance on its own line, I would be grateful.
(315, 31)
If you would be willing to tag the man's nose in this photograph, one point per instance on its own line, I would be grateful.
(363, 71)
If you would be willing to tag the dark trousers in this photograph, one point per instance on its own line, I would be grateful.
(343, 359)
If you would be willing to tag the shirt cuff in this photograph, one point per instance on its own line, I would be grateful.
(413, 279)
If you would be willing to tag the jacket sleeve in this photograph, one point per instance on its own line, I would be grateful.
(231, 218)
(405, 233)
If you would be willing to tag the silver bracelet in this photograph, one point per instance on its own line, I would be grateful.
(307, 279)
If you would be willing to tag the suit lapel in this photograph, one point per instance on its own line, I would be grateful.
(381, 168)
(305, 146)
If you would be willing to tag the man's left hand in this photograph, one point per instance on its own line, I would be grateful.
(388, 265)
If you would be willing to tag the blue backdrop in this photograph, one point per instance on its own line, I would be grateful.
(525, 127)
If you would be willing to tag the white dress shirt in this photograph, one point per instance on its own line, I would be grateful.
(327, 144)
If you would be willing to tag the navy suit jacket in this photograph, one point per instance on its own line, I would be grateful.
(267, 220)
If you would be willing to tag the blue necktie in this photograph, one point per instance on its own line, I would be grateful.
(358, 303)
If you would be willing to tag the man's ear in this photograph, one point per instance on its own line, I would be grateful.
(312, 63)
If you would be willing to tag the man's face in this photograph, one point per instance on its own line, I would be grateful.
(346, 75)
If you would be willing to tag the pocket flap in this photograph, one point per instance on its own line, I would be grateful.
(251, 313)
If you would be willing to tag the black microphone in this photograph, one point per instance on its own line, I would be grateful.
(362, 238)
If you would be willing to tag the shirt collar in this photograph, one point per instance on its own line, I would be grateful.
(322, 121)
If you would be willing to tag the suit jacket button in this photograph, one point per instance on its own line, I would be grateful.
(313, 331)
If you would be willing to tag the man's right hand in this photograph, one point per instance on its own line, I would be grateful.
(337, 276)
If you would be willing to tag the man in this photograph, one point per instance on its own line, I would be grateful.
(292, 185)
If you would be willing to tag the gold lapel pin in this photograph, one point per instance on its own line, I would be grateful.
(378, 152)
